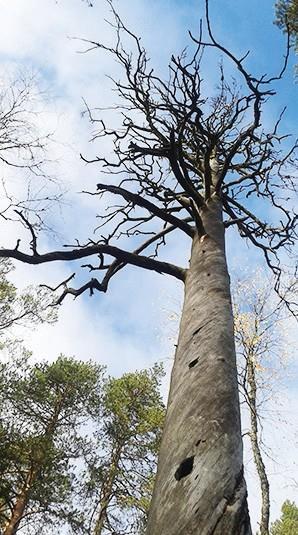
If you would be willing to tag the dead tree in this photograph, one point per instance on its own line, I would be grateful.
(24, 152)
(190, 164)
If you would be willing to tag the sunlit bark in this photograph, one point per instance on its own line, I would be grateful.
(200, 487)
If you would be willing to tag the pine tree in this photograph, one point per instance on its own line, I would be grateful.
(288, 523)
(122, 463)
(43, 406)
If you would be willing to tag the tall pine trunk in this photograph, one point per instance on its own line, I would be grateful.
(108, 492)
(19, 506)
(200, 487)
(23, 496)
(17, 515)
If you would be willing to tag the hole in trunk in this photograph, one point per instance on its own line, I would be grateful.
(185, 468)
(197, 330)
(193, 363)
(200, 441)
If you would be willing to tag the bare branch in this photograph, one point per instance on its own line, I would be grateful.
(75, 254)
(137, 199)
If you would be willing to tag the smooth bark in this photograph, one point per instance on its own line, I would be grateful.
(200, 487)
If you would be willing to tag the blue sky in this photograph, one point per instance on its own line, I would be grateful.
(127, 328)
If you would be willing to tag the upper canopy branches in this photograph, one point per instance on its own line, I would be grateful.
(177, 147)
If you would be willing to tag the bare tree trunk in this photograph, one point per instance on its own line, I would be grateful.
(200, 487)
(252, 392)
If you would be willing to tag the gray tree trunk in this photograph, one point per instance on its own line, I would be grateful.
(200, 487)
(254, 437)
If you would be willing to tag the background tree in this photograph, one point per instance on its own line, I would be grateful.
(197, 165)
(122, 463)
(22, 146)
(288, 523)
(52, 493)
(78, 450)
(262, 357)
(287, 18)
(42, 406)
(24, 151)
(29, 307)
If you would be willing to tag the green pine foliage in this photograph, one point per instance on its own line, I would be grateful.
(119, 479)
(78, 447)
(29, 307)
(43, 407)
(288, 522)
(287, 18)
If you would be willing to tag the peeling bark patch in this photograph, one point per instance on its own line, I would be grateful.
(203, 238)
(185, 468)
(193, 363)
(234, 517)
